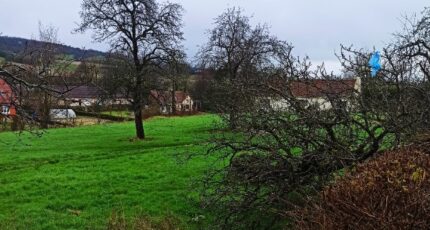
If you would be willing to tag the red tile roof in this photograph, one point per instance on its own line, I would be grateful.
(322, 88)
(83, 92)
(166, 96)
(180, 96)
(77, 92)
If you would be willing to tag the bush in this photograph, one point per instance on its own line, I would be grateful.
(391, 191)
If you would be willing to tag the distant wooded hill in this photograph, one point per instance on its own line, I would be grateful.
(12, 46)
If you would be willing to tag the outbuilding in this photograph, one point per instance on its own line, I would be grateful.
(62, 114)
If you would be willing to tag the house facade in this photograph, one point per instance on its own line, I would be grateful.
(183, 101)
(7, 98)
(86, 96)
(317, 92)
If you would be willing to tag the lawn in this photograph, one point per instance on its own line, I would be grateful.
(122, 113)
(75, 178)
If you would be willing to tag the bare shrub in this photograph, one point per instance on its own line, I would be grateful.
(391, 191)
(300, 125)
(236, 52)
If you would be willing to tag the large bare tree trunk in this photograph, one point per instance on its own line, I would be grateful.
(159, 31)
(45, 119)
(233, 119)
(138, 120)
(234, 110)
(15, 126)
(173, 101)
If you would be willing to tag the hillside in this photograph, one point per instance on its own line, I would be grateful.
(74, 178)
(11, 46)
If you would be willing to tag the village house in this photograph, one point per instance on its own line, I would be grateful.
(7, 96)
(80, 96)
(318, 92)
(183, 101)
(86, 96)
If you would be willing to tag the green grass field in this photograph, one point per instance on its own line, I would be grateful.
(75, 178)
(119, 113)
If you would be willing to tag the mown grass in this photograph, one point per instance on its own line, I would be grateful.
(75, 178)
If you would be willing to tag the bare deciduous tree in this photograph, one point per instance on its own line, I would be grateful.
(142, 32)
(236, 52)
(280, 156)
(175, 72)
(42, 78)
(47, 62)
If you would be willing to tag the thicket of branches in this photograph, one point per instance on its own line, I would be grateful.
(40, 81)
(388, 192)
(235, 54)
(145, 38)
(277, 157)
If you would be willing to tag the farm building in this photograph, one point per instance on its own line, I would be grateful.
(183, 101)
(62, 114)
(319, 91)
(7, 99)
(87, 96)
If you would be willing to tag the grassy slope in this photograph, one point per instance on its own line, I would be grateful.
(119, 113)
(97, 169)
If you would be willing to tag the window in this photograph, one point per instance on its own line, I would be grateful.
(5, 110)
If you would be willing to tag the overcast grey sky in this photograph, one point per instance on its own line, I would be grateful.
(314, 27)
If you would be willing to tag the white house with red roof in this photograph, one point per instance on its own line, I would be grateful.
(319, 92)
(183, 101)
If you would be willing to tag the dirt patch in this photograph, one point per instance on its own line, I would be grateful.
(84, 121)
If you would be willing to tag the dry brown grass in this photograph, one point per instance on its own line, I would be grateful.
(118, 221)
(84, 121)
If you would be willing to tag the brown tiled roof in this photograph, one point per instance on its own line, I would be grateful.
(321, 88)
(180, 96)
(79, 92)
(164, 97)
(158, 96)
(83, 92)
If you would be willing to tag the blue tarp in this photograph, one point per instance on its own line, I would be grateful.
(375, 63)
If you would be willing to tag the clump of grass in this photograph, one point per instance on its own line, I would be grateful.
(119, 221)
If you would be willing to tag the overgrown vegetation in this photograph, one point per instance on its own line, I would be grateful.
(279, 156)
(389, 192)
